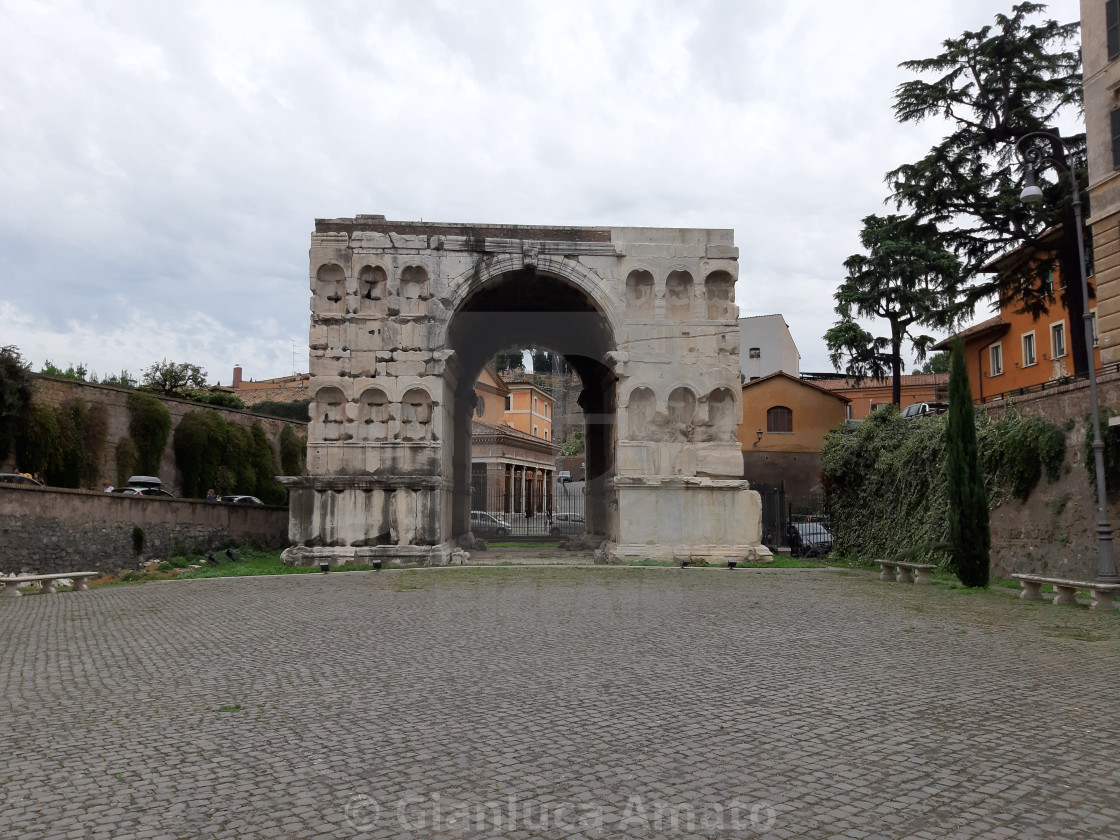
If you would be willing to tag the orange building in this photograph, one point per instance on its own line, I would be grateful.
(785, 420)
(1014, 352)
(529, 409)
(869, 394)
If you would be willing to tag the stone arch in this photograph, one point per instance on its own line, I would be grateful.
(719, 291)
(722, 413)
(373, 290)
(375, 415)
(639, 293)
(329, 290)
(641, 407)
(415, 290)
(681, 412)
(417, 416)
(328, 412)
(678, 295)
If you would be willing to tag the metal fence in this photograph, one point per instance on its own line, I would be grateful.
(799, 523)
(530, 512)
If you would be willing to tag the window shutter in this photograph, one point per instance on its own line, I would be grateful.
(1114, 118)
(1112, 27)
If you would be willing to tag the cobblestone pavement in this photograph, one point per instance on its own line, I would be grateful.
(545, 702)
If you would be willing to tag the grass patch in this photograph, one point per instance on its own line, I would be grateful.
(236, 708)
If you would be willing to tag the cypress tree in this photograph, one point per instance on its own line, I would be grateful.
(968, 499)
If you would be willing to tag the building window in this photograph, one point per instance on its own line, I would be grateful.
(756, 352)
(1028, 349)
(546, 434)
(509, 402)
(479, 405)
(779, 419)
(535, 432)
(995, 358)
(1058, 340)
(534, 404)
(1048, 283)
(1112, 27)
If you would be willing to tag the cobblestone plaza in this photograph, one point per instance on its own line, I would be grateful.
(546, 702)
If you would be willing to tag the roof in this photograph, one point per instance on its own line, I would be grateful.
(781, 374)
(848, 383)
(480, 429)
(1048, 240)
(996, 326)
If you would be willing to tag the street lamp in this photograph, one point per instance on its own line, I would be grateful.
(1033, 152)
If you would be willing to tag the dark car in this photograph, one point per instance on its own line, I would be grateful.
(19, 478)
(484, 523)
(809, 539)
(568, 523)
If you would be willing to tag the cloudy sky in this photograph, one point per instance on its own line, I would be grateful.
(162, 164)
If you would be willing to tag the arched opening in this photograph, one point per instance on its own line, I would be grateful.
(529, 307)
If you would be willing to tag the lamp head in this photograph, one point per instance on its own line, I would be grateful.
(1031, 193)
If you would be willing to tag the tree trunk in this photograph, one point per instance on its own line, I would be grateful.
(896, 367)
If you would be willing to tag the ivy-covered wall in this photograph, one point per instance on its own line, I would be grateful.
(888, 493)
(108, 404)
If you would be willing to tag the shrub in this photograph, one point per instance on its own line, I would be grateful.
(95, 430)
(37, 440)
(138, 540)
(127, 458)
(199, 444)
(149, 425)
(293, 451)
(294, 410)
(268, 489)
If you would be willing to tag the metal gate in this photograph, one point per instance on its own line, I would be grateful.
(798, 523)
(527, 510)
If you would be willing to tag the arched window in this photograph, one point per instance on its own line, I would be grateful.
(779, 419)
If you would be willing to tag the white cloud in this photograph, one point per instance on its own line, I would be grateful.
(163, 164)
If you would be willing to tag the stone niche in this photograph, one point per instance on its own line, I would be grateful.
(404, 314)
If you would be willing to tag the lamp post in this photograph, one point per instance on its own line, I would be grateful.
(1032, 150)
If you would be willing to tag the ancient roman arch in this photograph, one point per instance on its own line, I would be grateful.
(405, 314)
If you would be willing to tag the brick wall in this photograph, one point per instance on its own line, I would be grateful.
(44, 530)
(56, 391)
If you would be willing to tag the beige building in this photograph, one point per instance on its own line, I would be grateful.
(1100, 54)
(766, 346)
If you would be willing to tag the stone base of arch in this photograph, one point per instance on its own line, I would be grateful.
(687, 518)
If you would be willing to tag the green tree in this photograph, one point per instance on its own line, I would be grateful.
(173, 378)
(937, 363)
(969, 533)
(268, 489)
(15, 396)
(908, 279)
(508, 360)
(80, 372)
(994, 86)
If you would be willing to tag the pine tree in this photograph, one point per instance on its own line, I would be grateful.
(969, 533)
(907, 279)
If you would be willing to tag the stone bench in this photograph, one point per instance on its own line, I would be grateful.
(1103, 594)
(897, 570)
(11, 584)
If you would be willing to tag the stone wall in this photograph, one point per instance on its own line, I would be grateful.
(56, 391)
(44, 530)
(1054, 531)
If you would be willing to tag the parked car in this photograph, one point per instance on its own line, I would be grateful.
(564, 476)
(925, 409)
(809, 539)
(484, 523)
(240, 500)
(140, 491)
(19, 478)
(568, 523)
